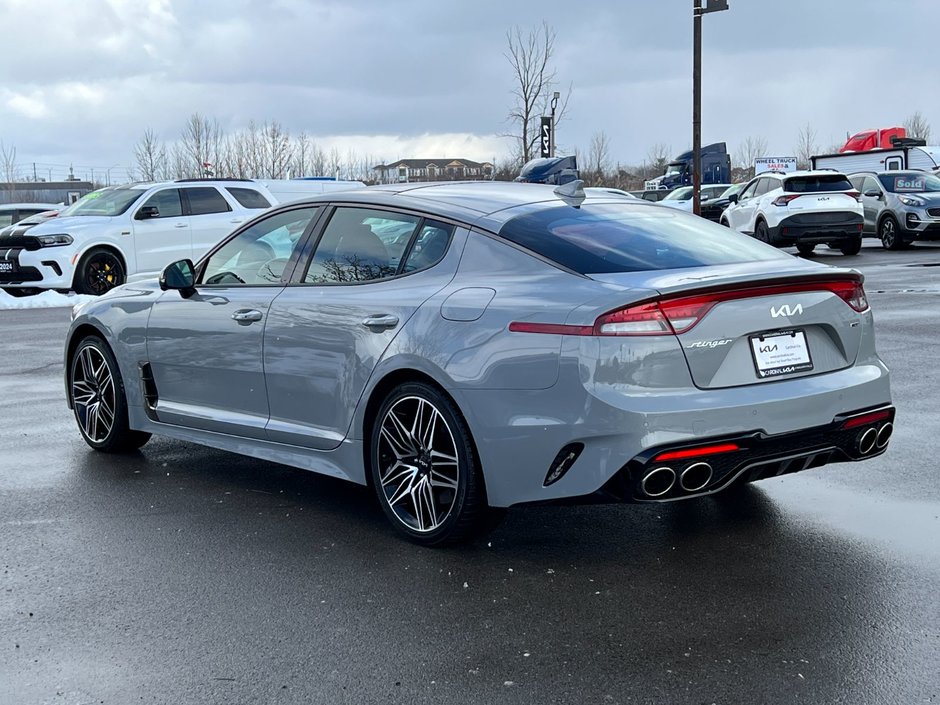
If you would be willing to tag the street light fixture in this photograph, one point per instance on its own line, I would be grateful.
(697, 12)
(555, 96)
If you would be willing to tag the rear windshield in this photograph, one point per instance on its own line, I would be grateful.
(817, 184)
(604, 238)
(915, 182)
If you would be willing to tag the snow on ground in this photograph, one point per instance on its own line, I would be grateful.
(47, 299)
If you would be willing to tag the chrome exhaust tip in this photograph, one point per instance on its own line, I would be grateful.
(695, 477)
(867, 440)
(658, 482)
(884, 435)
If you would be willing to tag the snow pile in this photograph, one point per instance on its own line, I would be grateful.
(47, 299)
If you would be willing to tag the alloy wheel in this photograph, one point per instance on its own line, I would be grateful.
(888, 234)
(102, 273)
(419, 468)
(93, 394)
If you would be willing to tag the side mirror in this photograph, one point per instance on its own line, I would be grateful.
(872, 193)
(733, 198)
(147, 212)
(181, 276)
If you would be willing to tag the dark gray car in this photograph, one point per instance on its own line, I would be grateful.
(465, 346)
(900, 206)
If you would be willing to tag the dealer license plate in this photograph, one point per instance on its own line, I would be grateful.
(781, 353)
(7, 267)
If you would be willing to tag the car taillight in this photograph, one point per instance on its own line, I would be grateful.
(854, 194)
(784, 200)
(679, 314)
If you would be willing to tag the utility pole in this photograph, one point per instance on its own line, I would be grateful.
(697, 12)
(555, 96)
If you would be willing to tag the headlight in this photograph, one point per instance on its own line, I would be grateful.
(910, 201)
(54, 240)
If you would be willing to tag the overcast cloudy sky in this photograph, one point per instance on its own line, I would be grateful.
(80, 81)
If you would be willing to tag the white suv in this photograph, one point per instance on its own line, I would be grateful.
(123, 233)
(802, 208)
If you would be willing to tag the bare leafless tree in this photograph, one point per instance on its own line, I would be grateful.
(917, 126)
(749, 150)
(151, 157)
(598, 159)
(530, 55)
(806, 146)
(277, 150)
(8, 164)
(199, 146)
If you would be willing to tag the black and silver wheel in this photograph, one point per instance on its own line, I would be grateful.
(424, 468)
(805, 248)
(890, 233)
(99, 271)
(98, 399)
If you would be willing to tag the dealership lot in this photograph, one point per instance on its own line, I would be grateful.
(185, 574)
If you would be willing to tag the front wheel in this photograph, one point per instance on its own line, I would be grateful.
(890, 233)
(98, 400)
(424, 468)
(99, 271)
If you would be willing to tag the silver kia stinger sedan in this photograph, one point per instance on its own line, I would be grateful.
(465, 347)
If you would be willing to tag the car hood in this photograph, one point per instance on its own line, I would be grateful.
(71, 223)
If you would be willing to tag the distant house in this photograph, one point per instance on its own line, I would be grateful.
(418, 170)
(66, 192)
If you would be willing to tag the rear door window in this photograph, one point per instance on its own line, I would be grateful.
(205, 200)
(248, 197)
(819, 183)
(605, 238)
(429, 247)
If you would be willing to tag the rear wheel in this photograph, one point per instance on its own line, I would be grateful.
(890, 233)
(851, 248)
(98, 400)
(424, 468)
(806, 248)
(99, 271)
(762, 232)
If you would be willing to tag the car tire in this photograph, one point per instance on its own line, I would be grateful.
(889, 232)
(853, 247)
(99, 271)
(96, 392)
(725, 223)
(20, 292)
(805, 248)
(762, 233)
(424, 467)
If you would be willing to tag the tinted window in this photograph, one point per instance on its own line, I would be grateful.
(258, 255)
(109, 201)
(429, 247)
(914, 182)
(612, 237)
(203, 201)
(360, 244)
(167, 203)
(818, 183)
(248, 197)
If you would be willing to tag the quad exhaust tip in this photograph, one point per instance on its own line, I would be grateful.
(658, 481)
(867, 440)
(695, 477)
(884, 435)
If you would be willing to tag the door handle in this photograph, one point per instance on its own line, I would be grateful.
(386, 320)
(236, 220)
(247, 316)
(180, 225)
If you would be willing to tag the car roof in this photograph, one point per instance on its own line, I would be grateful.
(487, 204)
(44, 206)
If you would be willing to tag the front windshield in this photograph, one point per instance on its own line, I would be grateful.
(680, 194)
(108, 201)
(910, 182)
(675, 169)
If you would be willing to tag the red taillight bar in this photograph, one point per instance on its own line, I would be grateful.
(680, 313)
(866, 419)
(697, 452)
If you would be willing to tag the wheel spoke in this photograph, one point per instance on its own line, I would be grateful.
(405, 489)
(85, 359)
(398, 449)
(81, 392)
(439, 479)
(91, 421)
(399, 472)
(427, 434)
(404, 437)
(439, 458)
(416, 426)
(428, 495)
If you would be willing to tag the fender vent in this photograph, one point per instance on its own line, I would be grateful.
(148, 390)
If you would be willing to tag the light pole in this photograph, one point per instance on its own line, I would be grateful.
(697, 12)
(555, 96)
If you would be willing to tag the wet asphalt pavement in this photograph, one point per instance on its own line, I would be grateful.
(183, 574)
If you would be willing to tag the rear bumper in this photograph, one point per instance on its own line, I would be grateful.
(819, 227)
(681, 474)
